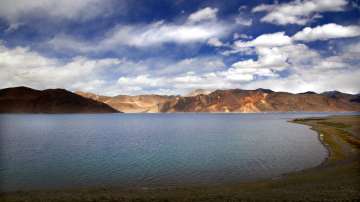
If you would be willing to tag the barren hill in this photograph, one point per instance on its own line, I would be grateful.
(27, 100)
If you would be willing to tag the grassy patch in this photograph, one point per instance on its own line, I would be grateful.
(308, 119)
(334, 124)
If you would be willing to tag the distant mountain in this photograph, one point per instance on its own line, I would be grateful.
(198, 92)
(132, 104)
(234, 100)
(27, 100)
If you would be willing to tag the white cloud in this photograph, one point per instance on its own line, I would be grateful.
(15, 10)
(141, 80)
(183, 82)
(215, 42)
(204, 14)
(243, 21)
(310, 71)
(351, 51)
(333, 62)
(243, 17)
(246, 73)
(160, 32)
(273, 59)
(298, 12)
(310, 80)
(278, 52)
(270, 60)
(241, 36)
(328, 31)
(21, 66)
(141, 36)
(266, 40)
(242, 50)
(305, 69)
(198, 65)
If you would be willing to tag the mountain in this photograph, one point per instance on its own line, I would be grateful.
(27, 100)
(198, 92)
(235, 100)
(132, 104)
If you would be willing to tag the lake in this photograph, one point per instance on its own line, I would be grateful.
(147, 150)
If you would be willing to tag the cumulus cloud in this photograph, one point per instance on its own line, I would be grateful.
(269, 40)
(312, 80)
(277, 52)
(298, 12)
(204, 14)
(21, 66)
(110, 76)
(328, 31)
(333, 62)
(183, 82)
(268, 58)
(308, 70)
(272, 60)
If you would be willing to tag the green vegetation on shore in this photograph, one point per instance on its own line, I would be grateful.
(337, 179)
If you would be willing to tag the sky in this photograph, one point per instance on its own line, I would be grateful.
(172, 47)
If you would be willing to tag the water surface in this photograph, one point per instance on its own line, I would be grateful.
(145, 150)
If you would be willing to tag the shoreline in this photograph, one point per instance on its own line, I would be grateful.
(326, 129)
(336, 178)
(321, 140)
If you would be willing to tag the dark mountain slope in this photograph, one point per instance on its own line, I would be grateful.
(27, 100)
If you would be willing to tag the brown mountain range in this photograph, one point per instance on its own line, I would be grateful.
(234, 100)
(132, 104)
(27, 100)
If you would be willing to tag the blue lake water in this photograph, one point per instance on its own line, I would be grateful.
(145, 150)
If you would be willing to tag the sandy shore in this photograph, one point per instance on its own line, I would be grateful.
(336, 179)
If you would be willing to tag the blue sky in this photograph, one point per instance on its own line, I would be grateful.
(115, 47)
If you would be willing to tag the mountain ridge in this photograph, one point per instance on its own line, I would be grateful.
(237, 100)
(27, 100)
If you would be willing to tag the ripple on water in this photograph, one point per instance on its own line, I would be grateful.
(58, 151)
